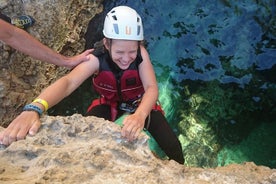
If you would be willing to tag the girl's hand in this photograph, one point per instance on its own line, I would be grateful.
(132, 126)
(26, 122)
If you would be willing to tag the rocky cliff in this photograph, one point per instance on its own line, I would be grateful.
(78, 149)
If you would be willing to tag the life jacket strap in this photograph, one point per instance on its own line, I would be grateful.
(102, 100)
(158, 107)
(114, 105)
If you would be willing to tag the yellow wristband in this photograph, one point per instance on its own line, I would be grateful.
(42, 102)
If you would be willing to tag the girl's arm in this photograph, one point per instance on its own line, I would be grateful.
(28, 121)
(133, 124)
(150, 85)
(67, 84)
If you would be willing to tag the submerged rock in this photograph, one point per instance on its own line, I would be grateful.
(77, 149)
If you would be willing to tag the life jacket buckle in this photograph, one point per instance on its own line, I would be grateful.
(130, 106)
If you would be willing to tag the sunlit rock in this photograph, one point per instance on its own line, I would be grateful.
(76, 149)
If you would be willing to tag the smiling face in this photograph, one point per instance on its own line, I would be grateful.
(123, 52)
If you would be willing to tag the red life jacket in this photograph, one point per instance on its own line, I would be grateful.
(122, 86)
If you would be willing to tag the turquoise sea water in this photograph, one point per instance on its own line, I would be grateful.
(215, 62)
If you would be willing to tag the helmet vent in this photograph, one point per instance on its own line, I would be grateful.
(116, 28)
(138, 30)
(114, 17)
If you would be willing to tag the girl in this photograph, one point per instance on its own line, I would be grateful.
(123, 76)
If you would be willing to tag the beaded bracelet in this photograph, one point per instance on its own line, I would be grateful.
(42, 102)
(31, 107)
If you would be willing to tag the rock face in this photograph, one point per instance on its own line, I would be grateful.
(78, 149)
(60, 24)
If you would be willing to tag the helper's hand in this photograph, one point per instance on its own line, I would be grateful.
(71, 62)
(132, 126)
(26, 122)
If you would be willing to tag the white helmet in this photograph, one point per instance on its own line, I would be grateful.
(123, 23)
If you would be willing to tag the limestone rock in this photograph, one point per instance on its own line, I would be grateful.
(78, 149)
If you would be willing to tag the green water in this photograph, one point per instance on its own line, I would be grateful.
(215, 62)
(258, 147)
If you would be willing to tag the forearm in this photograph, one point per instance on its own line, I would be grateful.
(134, 123)
(150, 98)
(27, 44)
(55, 93)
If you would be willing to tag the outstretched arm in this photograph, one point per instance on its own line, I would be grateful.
(28, 121)
(24, 42)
